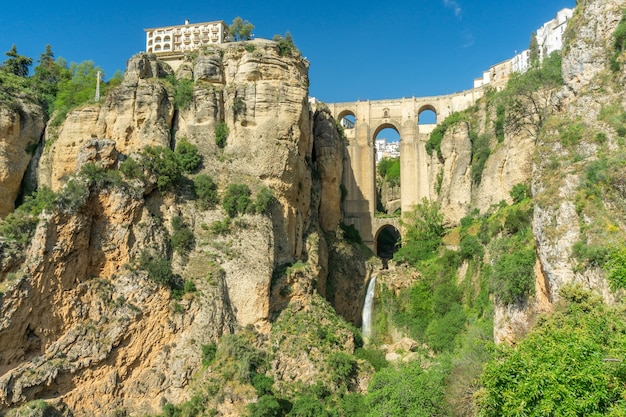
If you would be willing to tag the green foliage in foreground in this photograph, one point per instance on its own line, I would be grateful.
(423, 230)
(408, 390)
(571, 364)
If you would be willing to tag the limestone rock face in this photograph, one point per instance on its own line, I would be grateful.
(82, 321)
(592, 25)
(77, 323)
(328, 161)
(19, 129)
(508, 164)
(261, 97)
(456, 185)
(137, 114)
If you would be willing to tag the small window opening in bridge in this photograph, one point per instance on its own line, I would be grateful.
(387, 243)
(348, 121)
(427, 117)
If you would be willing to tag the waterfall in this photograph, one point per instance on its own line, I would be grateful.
(368, 308)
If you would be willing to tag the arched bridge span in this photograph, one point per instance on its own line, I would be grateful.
(362, 121)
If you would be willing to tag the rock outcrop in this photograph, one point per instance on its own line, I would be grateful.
(81, 282)
(21, 128)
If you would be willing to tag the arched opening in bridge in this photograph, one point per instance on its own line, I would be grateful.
(427, 118)
(387, 142)
(347, 120)
(387, 243)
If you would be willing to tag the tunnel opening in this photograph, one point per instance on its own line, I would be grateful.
(387, 243)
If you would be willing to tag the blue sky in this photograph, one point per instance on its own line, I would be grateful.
(358, 50)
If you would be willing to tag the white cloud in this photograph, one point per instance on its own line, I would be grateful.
(455, 6)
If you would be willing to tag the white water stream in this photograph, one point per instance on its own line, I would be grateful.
(368, 306)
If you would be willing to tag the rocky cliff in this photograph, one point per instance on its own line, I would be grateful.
(83, 324)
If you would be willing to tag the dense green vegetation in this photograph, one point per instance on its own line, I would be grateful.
(389, 170)
(58, 87)
(571, 363)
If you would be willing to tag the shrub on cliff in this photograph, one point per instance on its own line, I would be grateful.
(206, 190)
(221, 134)
(236, 200)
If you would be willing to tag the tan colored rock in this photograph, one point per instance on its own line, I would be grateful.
(329, 156)
(138, 113)
(19, 129)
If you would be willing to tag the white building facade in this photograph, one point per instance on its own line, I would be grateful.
(549, 39)
(172, 40)
(385, 149)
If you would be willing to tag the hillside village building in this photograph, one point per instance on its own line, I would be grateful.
(170, 43)
(549, 39)
(385, 149)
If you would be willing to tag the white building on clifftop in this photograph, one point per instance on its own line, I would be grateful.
(170, 43)
(549, 39)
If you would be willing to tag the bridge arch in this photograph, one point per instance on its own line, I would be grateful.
(427, 110)
(347, 119)
(387, 240)
(386, 125)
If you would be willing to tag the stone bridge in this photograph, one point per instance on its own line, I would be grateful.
(365, 121)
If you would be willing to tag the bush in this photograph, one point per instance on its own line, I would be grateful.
(131, 169)
(206, 190)
(375, 357)
(513, 277)
(520, 192)
(208, 354)
(518, 220)
(183, 238)
(266, 406)
(236, 200)
(343, 368)
(423, 232)
(285, 44)
(616, 266)
(220, 227)
(350, 233)
(184, 93)
(565, 366)
(471, 248)
(408, 390)
(264, 198)
(159, 269)
(188, 156)
(262, 384)
(164, 164)
(480, 153)
(436, 136)
(221, 134)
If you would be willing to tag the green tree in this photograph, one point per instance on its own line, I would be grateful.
(533, 55)
(423, 232)
(188, 156)
(17, 64)
(241, 30)
(530, 98)
(236, 199)
(206, 190)
(408, 390)
(48, 74)
(79, 89)
(570, 364)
